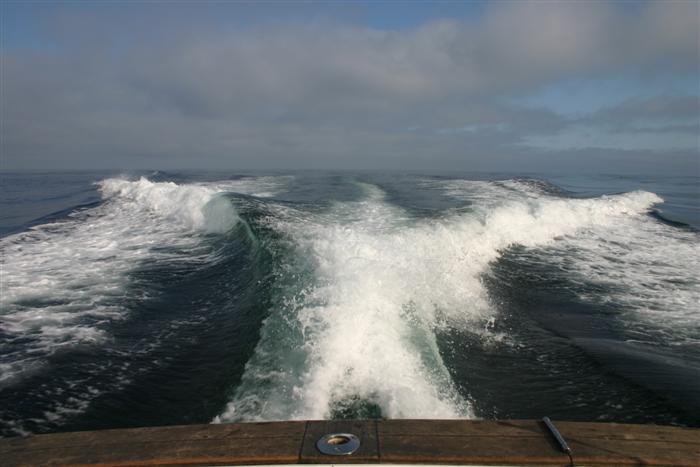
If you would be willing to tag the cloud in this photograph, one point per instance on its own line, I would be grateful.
(173, 93)
(653, 108)
(656, 123)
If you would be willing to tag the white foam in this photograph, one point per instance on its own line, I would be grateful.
(383, 285)
(184, 204)
(260, 187)
(649, 271)
(63, 283)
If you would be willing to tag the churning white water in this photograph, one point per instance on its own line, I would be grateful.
(383, 283)
(64, 282)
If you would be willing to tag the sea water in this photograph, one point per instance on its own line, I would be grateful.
(156, 298)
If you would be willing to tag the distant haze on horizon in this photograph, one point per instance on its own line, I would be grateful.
(596, 87)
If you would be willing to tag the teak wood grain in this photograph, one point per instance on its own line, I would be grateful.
(507, 442)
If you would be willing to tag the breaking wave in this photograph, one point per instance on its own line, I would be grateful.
(66, 281)
(322, 304)
(361, 333)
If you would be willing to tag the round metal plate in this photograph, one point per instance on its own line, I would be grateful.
(338, 444)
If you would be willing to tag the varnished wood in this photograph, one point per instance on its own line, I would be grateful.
(454, 441)
(509, 428)
(623, 444)
(509, 442)
(230, 444)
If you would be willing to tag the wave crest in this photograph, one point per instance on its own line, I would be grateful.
(197, 207)
(382, 286)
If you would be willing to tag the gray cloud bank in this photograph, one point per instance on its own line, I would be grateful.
(147, 94)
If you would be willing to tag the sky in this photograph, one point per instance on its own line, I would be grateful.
(528, 86)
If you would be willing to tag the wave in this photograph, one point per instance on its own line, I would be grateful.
(360, 300)
(66, 281)
(666, 373)
(673, 223)
(379, 287)
(649, 270)
(192, 206)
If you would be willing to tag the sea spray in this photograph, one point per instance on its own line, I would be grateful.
(392, 297)
(65, 282)
(383, 284)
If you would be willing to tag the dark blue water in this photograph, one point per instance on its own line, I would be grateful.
(155, 298)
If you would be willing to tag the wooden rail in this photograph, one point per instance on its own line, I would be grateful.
(465, 442)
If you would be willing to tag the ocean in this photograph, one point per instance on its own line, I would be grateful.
(161, 298)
